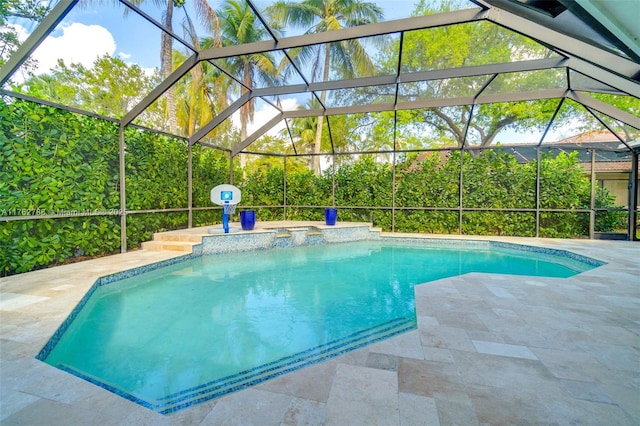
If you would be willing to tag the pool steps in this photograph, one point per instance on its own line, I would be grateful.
(172, 242)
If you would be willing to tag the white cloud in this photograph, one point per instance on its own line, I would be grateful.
(265, 113)
(149, 72)
(290, 104)
(78, 43)
(21, 32)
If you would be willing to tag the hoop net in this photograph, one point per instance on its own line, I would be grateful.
(229, 208)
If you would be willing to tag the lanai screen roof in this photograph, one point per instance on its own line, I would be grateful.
(587, 58)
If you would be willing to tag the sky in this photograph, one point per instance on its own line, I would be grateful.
(88, 32)
(104, 28)
(95, 30)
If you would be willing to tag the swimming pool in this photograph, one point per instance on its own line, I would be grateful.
(199, 329)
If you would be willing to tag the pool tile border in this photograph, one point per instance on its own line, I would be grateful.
(258, 374)
(104, 280)
(276, 368)
(497, 244)
(550, 251)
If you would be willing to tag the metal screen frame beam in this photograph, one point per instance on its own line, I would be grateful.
(551, 120)
(560, 42)
(48, 24)
(605, 108)
(369, 30)
(533, 95)
(506, 67)
(479, 70)
(218, 119)
(633, 196)
(165, 85)
(425, 104)
(606, 126)
(123, 189)
(413, 77)
(431, 103)
(255, 135)
(263, 21)
(157, 24)
(605, 77)
(281, 90)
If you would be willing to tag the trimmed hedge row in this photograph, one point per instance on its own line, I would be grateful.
(57, 162)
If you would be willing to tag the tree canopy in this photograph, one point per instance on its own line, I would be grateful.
(31, 10)
(112, 86)
(346, 59)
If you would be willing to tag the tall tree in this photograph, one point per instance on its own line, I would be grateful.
(470, 44)
(110, 87)
(208, 17)
(349, 58)
(201, 94)
(238, 26)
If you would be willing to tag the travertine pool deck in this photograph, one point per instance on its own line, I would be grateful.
(489, 349)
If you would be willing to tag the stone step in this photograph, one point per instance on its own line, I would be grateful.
(182, 246)
(163, 236)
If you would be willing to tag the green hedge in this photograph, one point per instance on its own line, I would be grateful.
(57, 162)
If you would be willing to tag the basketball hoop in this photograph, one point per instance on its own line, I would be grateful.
(227, 196)
(229, 208)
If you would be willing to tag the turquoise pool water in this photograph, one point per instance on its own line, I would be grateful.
(187, 333)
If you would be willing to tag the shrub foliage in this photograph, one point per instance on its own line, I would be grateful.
(55, 162)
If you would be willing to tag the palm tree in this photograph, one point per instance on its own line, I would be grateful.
(348, 57)
(201, 94)
(238, 26)
(303, 129)
(209, 18)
